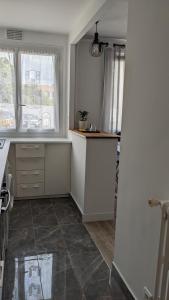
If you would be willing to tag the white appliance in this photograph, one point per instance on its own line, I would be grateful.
(6, 204)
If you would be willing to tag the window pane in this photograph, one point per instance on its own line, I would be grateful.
(7, 90)
(38, 91)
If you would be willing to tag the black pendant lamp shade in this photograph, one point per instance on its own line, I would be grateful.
(96, 48)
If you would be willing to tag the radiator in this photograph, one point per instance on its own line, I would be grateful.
(162, 274)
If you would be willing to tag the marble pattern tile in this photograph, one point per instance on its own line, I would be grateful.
(77, 239)
(51, 255)
(97, 287)
(66, 211)
(21, 242)
(48, 239)
(43, 215)
(21, 216)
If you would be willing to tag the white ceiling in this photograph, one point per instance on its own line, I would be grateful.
(114, 20)
(42, 15)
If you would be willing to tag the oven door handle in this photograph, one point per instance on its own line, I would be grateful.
(5, 208)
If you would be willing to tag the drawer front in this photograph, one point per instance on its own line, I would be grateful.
(24, 164)
(30, 189)
(30, 150)
(32, 176)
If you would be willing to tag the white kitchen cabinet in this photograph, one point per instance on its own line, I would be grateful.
(30, 164)
(93, 175)
(40, 169)
(57, 169)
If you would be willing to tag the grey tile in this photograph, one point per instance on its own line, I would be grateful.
(62, 200)
(78, 240)
(117, 284)
(66, 211)
(22, 279)
(39, 202)
(43, 214)
(97, 287)
(60, 260)
(85, 266)
(64, 261)
(20, 215)
(48, 239)
(75, 294)
(21, 242)
(57, 277)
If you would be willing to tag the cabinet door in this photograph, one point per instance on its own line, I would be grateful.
(57, 169)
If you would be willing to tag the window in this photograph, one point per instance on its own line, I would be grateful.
(7, 90)
(29, 103)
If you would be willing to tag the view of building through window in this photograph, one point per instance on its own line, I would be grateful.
(38, 91)
(37, 104)
(7, 90)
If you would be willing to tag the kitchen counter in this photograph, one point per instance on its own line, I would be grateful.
(40, 140)
(3, 159)
(93, 174)
(93, 135)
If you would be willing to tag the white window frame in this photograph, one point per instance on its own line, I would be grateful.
(59, 69)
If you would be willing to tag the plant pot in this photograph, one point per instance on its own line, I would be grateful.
(83, 125)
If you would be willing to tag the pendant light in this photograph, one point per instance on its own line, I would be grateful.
(96, 48)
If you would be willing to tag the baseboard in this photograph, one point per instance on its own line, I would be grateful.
(97, 217)
(93, 217)
(74, 198)
(119, 278)
(42, 197)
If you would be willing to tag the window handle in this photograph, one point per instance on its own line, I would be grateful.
(21, 104)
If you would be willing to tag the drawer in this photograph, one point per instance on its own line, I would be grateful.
(30, 150)
(32, 176)
(24, 164)
(30, 189)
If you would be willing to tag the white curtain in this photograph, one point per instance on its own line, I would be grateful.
(114, 67)
(39, 91)
(7, 89)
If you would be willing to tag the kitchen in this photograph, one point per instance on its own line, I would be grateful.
(57, 179)
(41, 171)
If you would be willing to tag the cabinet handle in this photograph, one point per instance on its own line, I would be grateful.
(36, 173)
(30, 147)
(24, 173)
(24, 187)
(36, 186)
(36, 146)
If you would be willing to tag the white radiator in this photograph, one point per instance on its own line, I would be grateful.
(162, 275)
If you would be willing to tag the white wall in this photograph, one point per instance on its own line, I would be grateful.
(89, 82)
(144, 161)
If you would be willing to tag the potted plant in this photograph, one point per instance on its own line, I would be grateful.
(83, 123)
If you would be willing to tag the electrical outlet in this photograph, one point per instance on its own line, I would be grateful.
(147, 294)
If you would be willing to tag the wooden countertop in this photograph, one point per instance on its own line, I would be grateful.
(101, 135)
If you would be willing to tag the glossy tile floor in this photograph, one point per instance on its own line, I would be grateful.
(52, 257)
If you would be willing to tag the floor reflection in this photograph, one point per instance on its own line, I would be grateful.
(27, 282)
(45, 262)
(51, 256)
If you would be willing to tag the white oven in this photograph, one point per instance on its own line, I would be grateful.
(6, 204)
